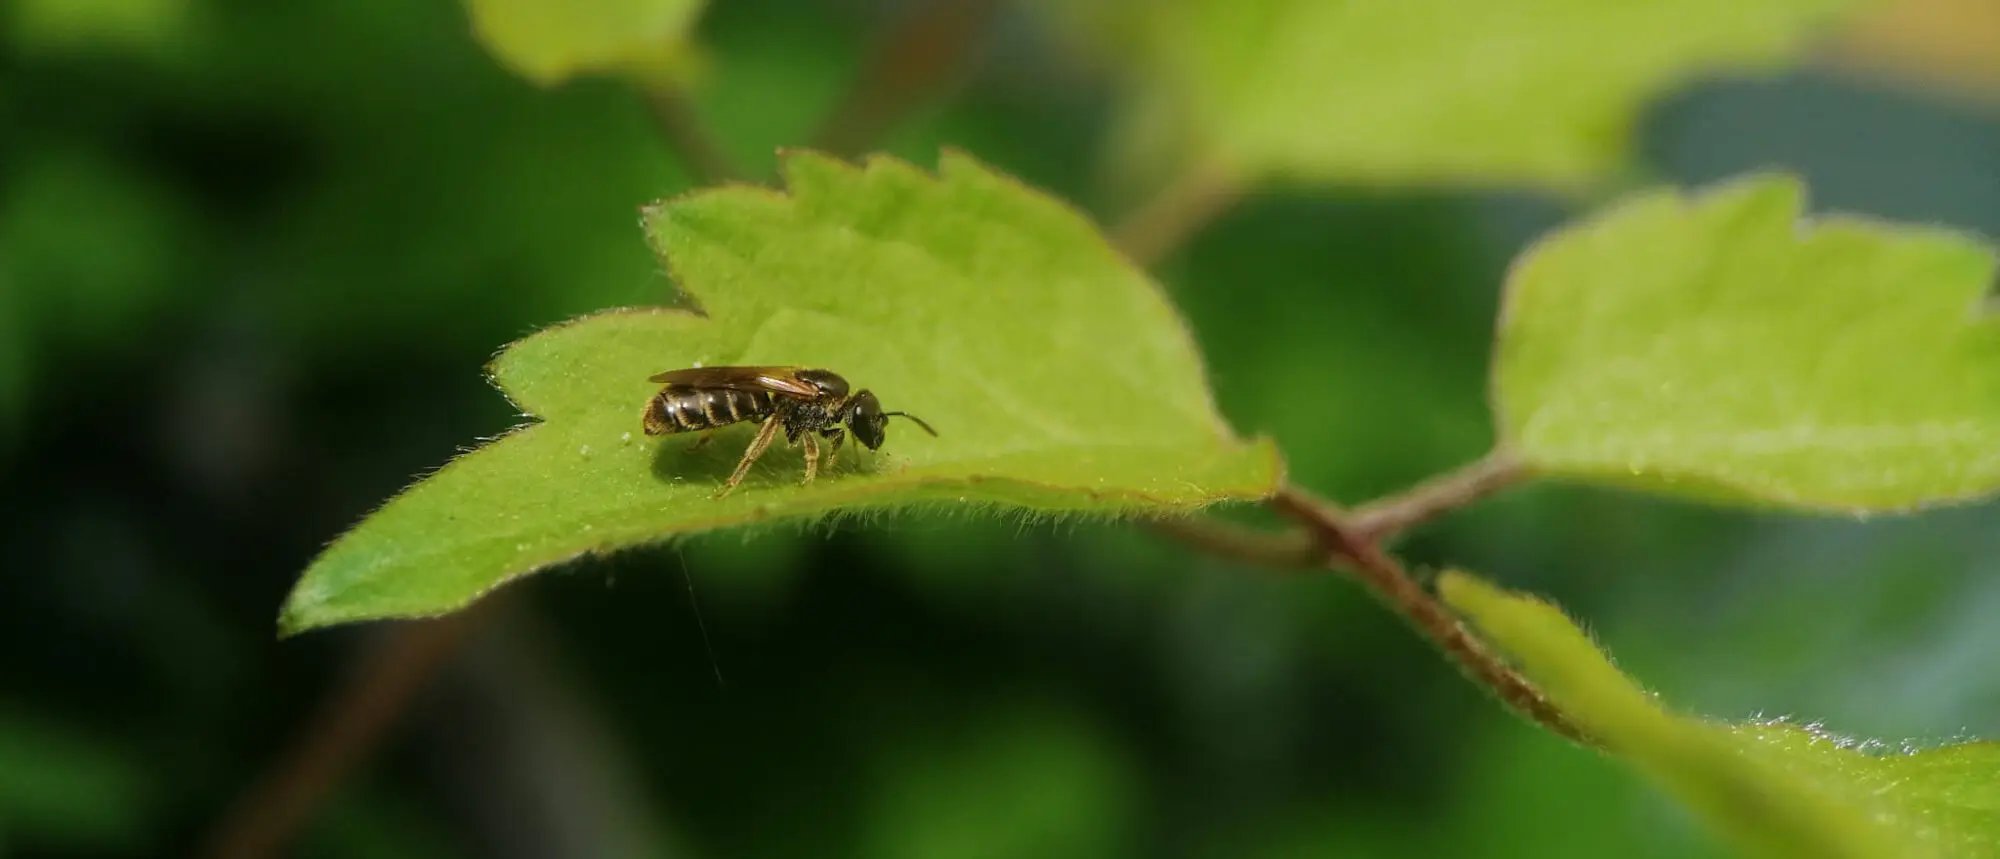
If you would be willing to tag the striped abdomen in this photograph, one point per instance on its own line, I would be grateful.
(676, 409)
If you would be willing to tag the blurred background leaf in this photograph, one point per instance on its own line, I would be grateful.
(97, 26)
(1019, 780)
(1424, 92)
(550, 41)
(14, 357)
(69, 789)
(1948, 45)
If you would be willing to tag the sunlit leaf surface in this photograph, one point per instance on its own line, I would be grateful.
(1774, 789)
(1721, 344)
(1058, 377)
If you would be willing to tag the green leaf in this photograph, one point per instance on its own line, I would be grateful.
(551, 41)
(1541, 92)
(1772, 789)
(1718, 345)
(1058, 377)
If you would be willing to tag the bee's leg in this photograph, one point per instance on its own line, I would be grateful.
(701, 441)
(833, 454)
(757, 446)
(812, 458)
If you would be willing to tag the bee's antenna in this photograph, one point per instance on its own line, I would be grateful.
(920, 421)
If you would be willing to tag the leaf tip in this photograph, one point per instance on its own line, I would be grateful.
(1529, 627)
(1468, 593)
(954, 161)
(298, 614)
(799, 166)
(1273, 461)
(1776, 193)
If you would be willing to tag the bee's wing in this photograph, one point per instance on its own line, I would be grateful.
(777, 380)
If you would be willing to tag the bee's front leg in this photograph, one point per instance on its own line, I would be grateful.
(833, 453)
(812, 458)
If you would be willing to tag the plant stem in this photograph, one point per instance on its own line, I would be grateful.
(1342, 542)
(339, 736)
(1330, 536)
(689, 136)
(1377, 521)
(1282, 549)
(1176, 212)
(918, 61)
(1384, 519)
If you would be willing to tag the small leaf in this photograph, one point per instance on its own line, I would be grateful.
(550, 41)
(1058, 377)
(1772, 789)
(1540, 92)
(1718, 345)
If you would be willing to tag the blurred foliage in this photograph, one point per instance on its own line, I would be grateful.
(89, 252)
(13, 359)
(93, 26)
(1025, 780)
(1419, 92)
(1951, 46)
(549, 43)
(59, 785)
(320, 219)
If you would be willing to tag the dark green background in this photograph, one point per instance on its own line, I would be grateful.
(250, 268)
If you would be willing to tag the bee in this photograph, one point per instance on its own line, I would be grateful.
(808, 404)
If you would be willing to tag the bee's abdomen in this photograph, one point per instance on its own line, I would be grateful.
(675, 410)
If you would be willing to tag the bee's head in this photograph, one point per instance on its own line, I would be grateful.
(868, 422)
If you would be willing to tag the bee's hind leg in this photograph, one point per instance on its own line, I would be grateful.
(757, 446)
(701, 441)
